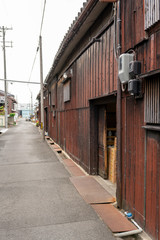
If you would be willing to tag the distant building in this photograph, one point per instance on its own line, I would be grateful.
(12, 103)
(25, 110)
(11, 107)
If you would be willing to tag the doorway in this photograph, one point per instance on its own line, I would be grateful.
(46, 119)
(107, 141)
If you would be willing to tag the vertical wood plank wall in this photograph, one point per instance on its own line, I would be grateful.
(94, 75)
(153, 184)
(133, 156)
(139, 146)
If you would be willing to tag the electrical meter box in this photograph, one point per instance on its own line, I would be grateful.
(134, 69)
(123, 66)
(134, 87)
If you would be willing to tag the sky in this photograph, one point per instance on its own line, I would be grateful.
(24, 17)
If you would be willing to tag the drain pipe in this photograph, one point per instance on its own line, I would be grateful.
(129, 233)
(119, 117)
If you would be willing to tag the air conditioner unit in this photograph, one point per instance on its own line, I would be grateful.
(123, 67)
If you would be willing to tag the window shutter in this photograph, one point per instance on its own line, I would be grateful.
(152, 101)
(152, 13)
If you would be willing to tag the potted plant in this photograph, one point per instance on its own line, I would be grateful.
(11, 118)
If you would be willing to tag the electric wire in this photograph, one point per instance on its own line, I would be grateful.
(38, 43)
(33, 64)
(36, 50)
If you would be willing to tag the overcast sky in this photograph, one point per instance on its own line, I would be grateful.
(24, 16)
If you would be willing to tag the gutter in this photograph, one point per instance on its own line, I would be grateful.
(119, 118)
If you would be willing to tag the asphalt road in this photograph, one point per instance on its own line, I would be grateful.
(37, 199)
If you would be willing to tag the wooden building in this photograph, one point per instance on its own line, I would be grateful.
(141, 116)
(11, 101)
(92, 115)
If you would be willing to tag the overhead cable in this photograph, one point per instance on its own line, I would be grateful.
(33, 64)
(38, 43)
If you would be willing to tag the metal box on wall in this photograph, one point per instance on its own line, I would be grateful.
(123, 67)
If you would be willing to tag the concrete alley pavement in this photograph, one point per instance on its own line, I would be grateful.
(37, 199)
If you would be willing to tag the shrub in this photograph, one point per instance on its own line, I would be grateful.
(12, 114)
(2, 112)
(37, 123)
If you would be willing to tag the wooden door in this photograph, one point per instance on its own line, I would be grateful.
(102, 144)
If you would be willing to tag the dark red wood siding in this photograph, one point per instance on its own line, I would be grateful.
(140, 147)
(133, 156)
(94, 75)
(153, 184)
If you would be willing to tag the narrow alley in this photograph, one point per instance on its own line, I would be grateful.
(37, 198)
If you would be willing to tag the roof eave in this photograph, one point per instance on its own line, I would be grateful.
(77, 30)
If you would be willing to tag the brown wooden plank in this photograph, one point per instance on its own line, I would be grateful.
(108, 62)
(55, 146)
(75, 171)
(91, 190)
(130, 151)
(139, 163)
(152, 187)
(68, 162)
(111, 60)
(123, 150)
(97, 67)
(113, 218)
(103, 67)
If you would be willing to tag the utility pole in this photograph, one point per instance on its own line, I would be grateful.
(5, 74)
(41, 78)
(5, 77)
(31, 104)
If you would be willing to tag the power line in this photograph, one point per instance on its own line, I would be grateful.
(7, 80)
(38, 43)
(33, 64)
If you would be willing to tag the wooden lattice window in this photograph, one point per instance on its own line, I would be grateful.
(53, 94)
(152, 12)
(152, 101)
(67, 91)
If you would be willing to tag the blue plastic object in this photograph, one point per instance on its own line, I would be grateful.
(129, 215)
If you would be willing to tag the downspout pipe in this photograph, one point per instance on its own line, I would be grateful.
(119, 117)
